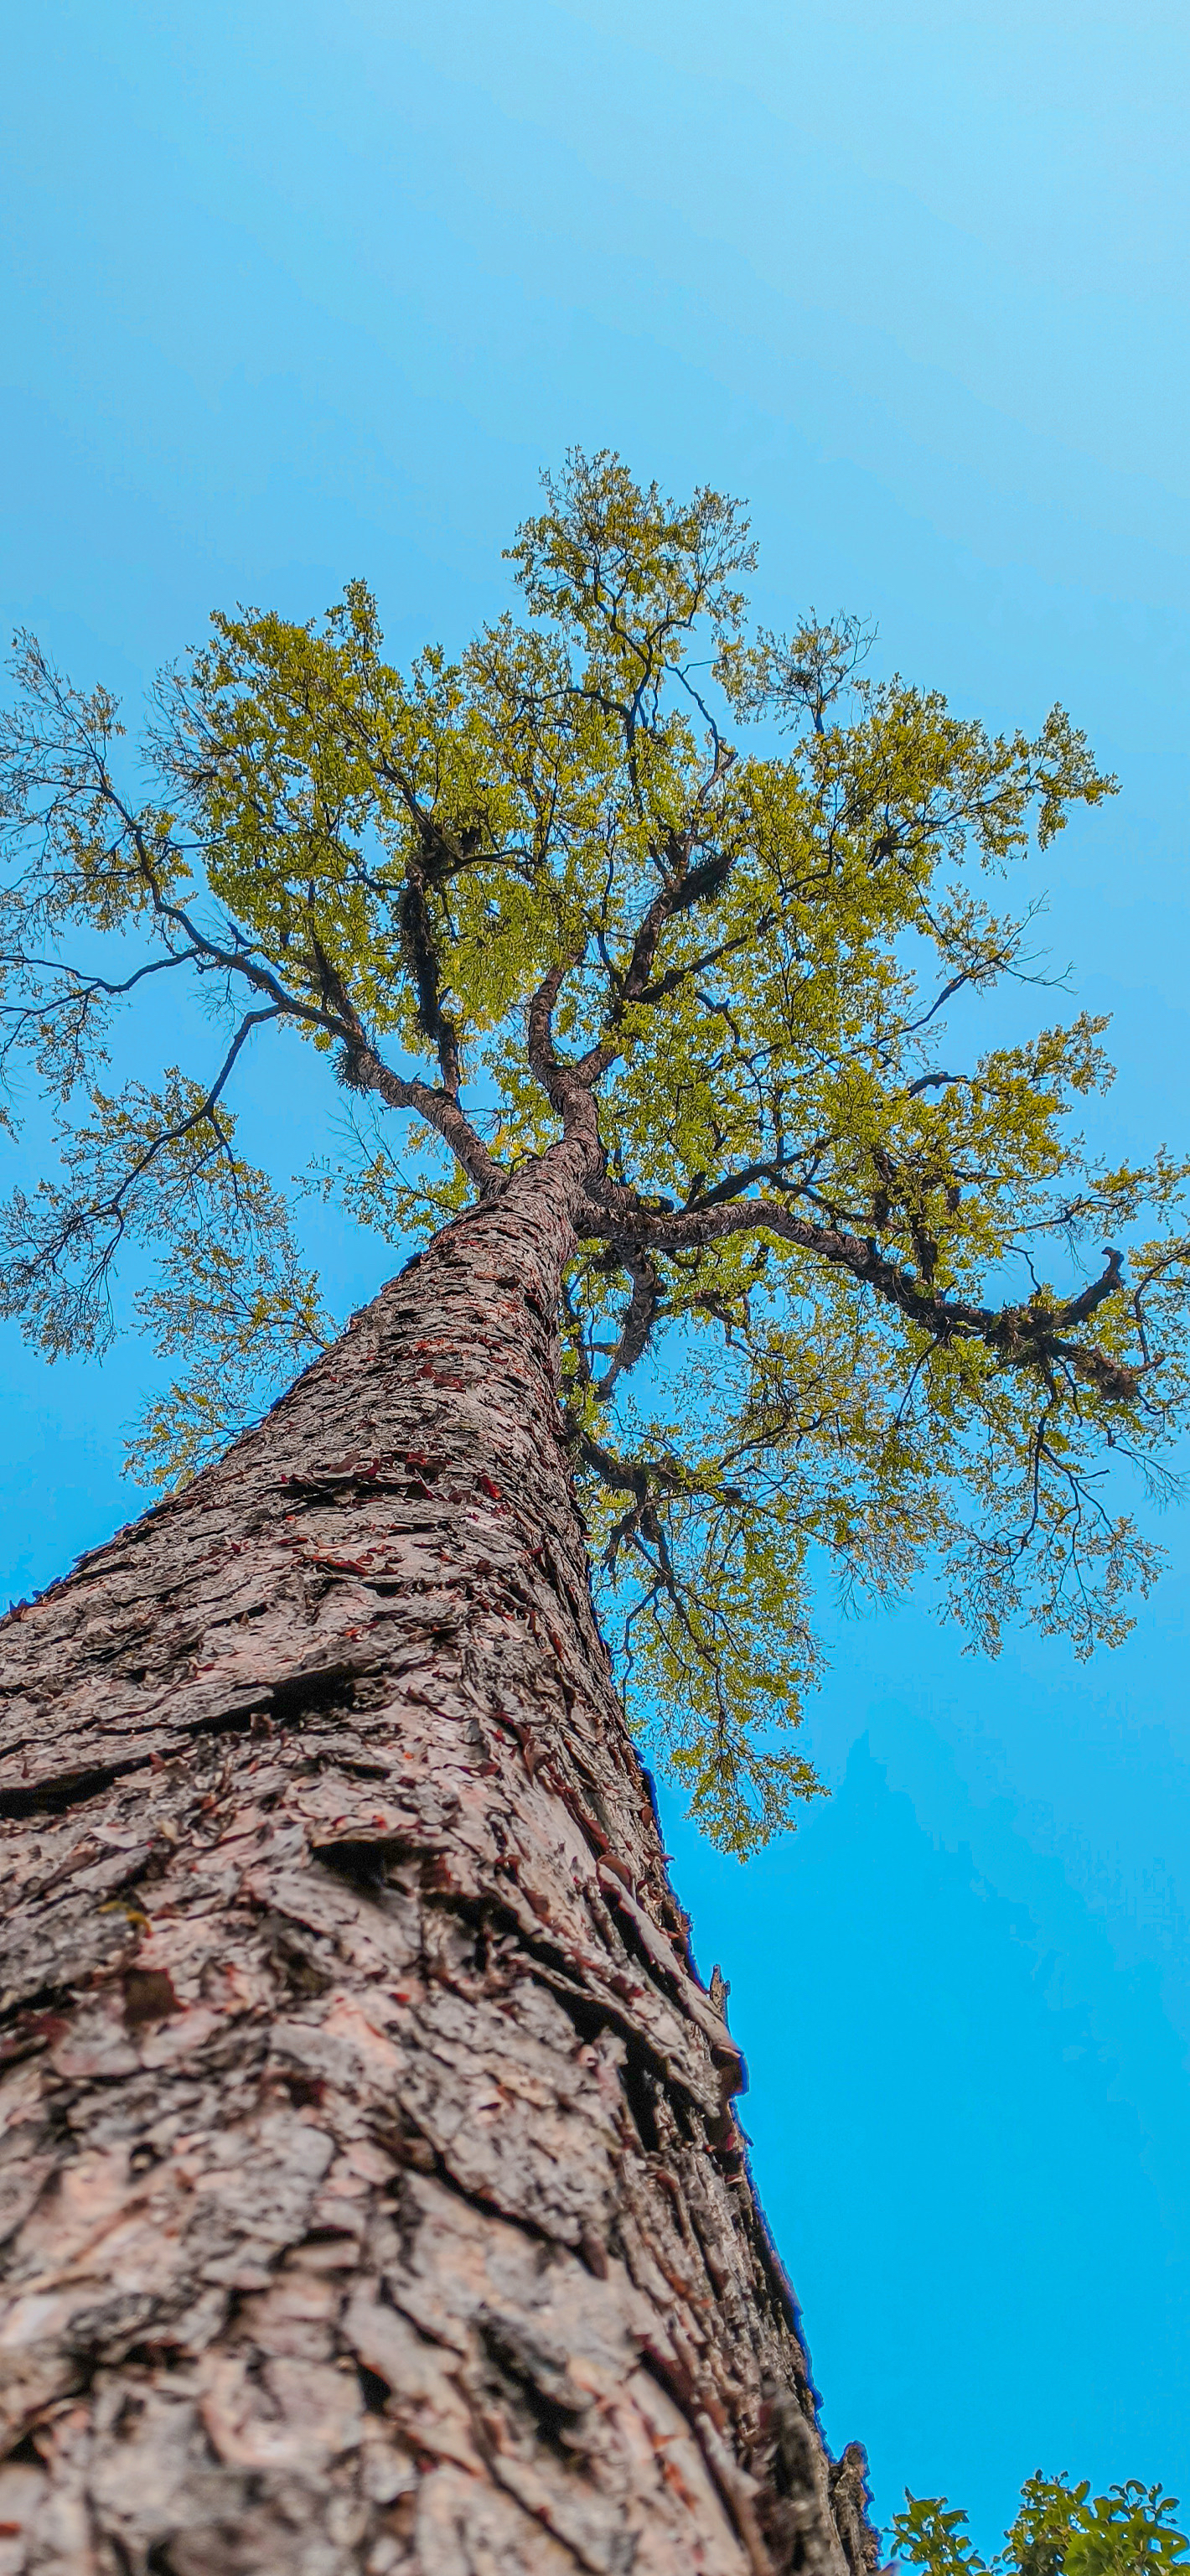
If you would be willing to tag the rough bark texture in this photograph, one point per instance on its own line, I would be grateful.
(372, 2197)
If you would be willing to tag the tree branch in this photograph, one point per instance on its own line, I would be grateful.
(366, 1069)
(568, 1087)
(1080, 1308)
(1021, 1336)
(437, 1026)
(639, 1316)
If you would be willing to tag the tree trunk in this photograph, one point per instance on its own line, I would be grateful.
(372, 2196)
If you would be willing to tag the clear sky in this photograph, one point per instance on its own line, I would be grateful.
(297, 292)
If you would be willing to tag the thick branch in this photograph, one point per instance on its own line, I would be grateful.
(1022, 1336)
(639, 1316)
(369, 1072)
(735, 1183)
(436, 1024)
(634, 1477)
(568, 1087)
(1080, 1308)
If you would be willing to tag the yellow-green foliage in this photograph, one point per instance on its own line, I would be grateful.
(828, 1312)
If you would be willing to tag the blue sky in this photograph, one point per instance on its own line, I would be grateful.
(294, 293)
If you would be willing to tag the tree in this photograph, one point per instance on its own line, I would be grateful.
(376, 2198)
(1059, 2530)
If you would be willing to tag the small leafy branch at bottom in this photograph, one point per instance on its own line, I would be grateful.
(1059, 2530)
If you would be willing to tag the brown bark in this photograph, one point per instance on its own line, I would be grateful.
(372, 2197)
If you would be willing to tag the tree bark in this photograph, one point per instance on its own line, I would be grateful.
(372, 2196)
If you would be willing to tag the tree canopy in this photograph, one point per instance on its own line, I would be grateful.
(850, 1291)
(1059, 2530)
